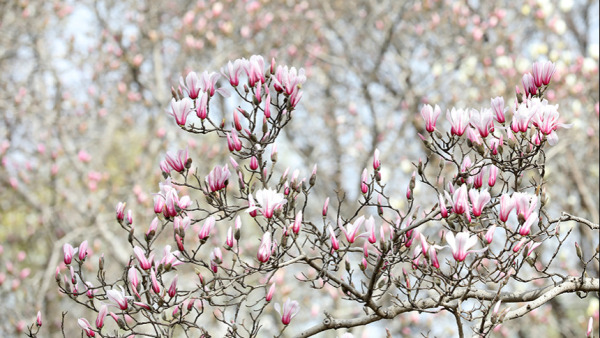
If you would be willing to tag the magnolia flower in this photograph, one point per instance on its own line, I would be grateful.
(265, 248)
(232, 71)
(175, 161)
(483, 120)
(459, 119)
(521, 118)
(542, 72)
(86, 326)
(206, 228)
(525, 204)
(118, 297)
(191, 85)
(218, 178)
(289, 311)
(364, 187)
(38, 319)
(173, 287)
(526, 227)
(120, 211)
(443, 209)
(461, 244)
(493, 175)
(460, 203)
(145, 263)
(479, 199)
(489, 235)
(270, 293)
(498, 108)
(351, 229)
(529, 84)
(269, 201)
(430, 115)
(69, 251)
(297, 222)
(334, 242)
(181, 109)
(101, 315)
(507, 203)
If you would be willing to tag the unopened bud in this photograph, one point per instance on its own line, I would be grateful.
(130, 237)
(101, 262)
(578, 250)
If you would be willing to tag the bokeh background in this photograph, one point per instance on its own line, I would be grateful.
(85, 85)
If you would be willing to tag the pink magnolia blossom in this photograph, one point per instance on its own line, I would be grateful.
(176, 161)
(460, 202)
(269, 201)
(68, 251)
(118, 297)
(230, 239)
(525, 204)
(101, 315)
(461, 244)
(202, 106)
(218, 178)
(478, 180)
(443, 209)
(171, 203)
(542, 72)
(507, 204)
(370, 225)
(493, 175)
(479, 199)
(351, 230)
(529, 84)
(173, 287)
(83, 250)
(290, 310)
(590, 328)
(145, 263)
(265, 248)
(430, 115)
(255, 69)
(531, 246)
(38, 319)
(376, 161)
(191, 85)
(120, 211)
(526, 227)
(489, 235)
(181, 109)
(270, 293)
(159, 203)
(325, 207)
(287, 79)
(483, 121)
(170, 259)
(134, 279)
(459, 119)
(154, 282)
(364, 185)
(334, 241)
(498, 108)
(232, 72)
(297, 222)
(207, 228)
(86, 326)
(521, 118)
(253, 163)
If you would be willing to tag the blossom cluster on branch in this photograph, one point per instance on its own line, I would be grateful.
(221, 240)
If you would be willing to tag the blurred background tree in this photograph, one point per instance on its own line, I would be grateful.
(85, 86)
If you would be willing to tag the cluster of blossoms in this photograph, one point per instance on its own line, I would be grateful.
(485, 225)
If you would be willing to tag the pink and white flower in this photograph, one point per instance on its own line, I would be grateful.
(269, 201)
(479, 199)
(265, 249)
(181, 109)
(218, 178)
(460, 245)
(289, 311)
(430, 115)
(459, 119)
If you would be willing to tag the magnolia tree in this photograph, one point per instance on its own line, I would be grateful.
(228, 247)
